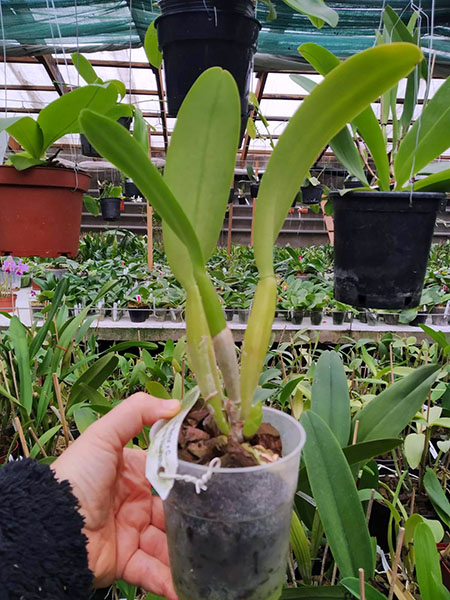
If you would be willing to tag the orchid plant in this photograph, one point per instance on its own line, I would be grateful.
(9, 269)
(414, 145)
(192, 198)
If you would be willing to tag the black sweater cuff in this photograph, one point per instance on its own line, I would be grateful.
(42, 548)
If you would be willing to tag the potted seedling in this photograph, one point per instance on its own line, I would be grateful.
(40, 200)
(139, 302)
(109, 201)
(122, 112)
(339, 311)
(440, 311)
(415, 316)
(7, 297)
(318, 299)
(383, 230)
(216, 535)
(311, 191)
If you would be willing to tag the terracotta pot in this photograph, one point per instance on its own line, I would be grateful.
(8, 303)
(40, 211)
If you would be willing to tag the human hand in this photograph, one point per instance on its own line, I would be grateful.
(124, 522)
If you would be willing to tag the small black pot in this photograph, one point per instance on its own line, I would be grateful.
(197, 34)
(88, 150)
(110, 208)
(139, 315)
(131, 190)
(311, 194)
(297, 316)
(338, 316)
(243, 315)
(254, 189)
(381, 243)
(420, 318)
(316, 317)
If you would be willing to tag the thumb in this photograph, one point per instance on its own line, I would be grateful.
(127, 419)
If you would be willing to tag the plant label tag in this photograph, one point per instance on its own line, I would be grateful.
(162, 456)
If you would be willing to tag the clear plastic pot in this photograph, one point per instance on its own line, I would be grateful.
(231, 541)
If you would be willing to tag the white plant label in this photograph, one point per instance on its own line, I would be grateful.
(162, 456)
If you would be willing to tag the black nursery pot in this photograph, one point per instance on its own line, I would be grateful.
(381, 246)
(197, 34)
(311, 194)
(139, 315)
(88, 150)
(110, 208)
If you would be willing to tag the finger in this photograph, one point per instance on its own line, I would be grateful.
(151, 574)
(154, 542)
(158, 513)
(127, 419)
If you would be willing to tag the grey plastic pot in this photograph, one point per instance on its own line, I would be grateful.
(231, 541)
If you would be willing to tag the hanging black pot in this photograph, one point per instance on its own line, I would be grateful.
(110, 208)
(381, 246)
(311, 194)
(254, 189)
(88, 150)
(194, 35)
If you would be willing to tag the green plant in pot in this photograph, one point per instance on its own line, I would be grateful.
(109, 201)
(139, 302)
(215, 536)
(121, 112)
(383, 230)
(35, 189)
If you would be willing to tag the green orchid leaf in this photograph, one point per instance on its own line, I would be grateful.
(91, 204)
(272, 10)
(41, 334)
(399, 32)
(61, 116)
(391, 411)
(132, 160)
(6, 122)
(84, 417)
(335, 493)
(436, 182)
(330, 398)
(94, 376)
(120, 110)
(427, 139)
(156, 389)
(437, 496)
(316, 10)
(140, 130)
(44, 438)
(84, 68)
(428, 570)
(414, 448)
(22, 161)
(364, 451)
(199, 171)
(353, 586)
(366, 122)
(29, 135)
(300, 546)
(151, 48)
(120, 87)
(353, 85)
(18, 338)
(342, 144)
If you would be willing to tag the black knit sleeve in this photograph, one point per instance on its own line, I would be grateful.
(42, 548)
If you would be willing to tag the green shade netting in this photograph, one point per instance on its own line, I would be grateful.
(33, 27)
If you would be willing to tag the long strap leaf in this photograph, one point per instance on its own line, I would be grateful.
(19, 342)
(353, 86)
(366, 123)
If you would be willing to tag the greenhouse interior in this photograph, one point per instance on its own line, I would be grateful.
(225, 300)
